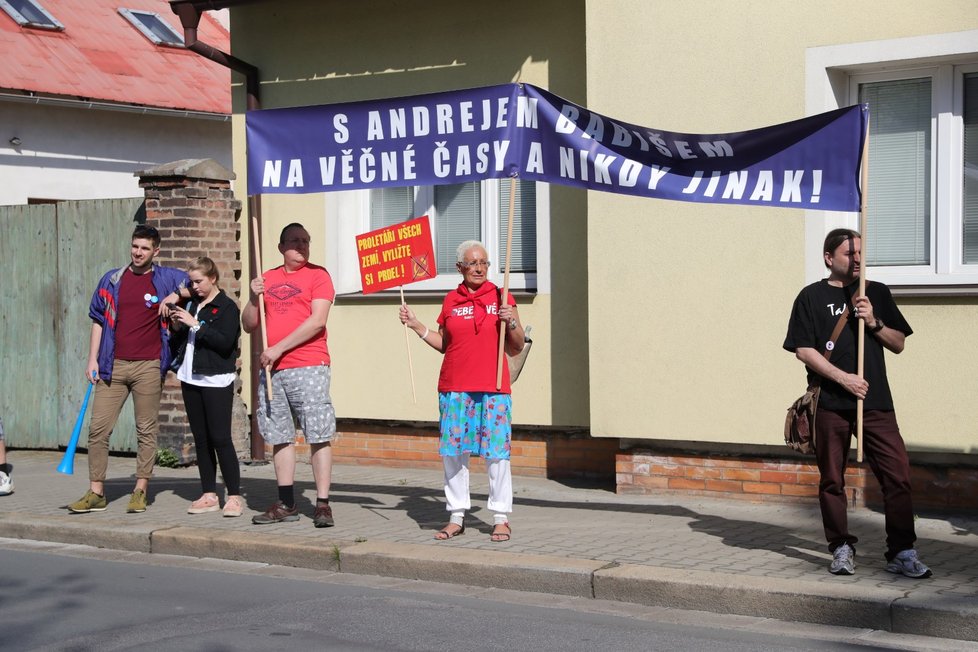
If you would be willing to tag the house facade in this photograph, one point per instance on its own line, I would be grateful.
(93, 90)
(658, 325)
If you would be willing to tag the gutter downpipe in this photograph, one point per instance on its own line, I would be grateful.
(190, 18)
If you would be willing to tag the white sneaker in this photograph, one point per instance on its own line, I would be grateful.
(6, 484)
(843, 560)
(906, 563)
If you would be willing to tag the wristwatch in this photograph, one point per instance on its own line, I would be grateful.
(878, 327)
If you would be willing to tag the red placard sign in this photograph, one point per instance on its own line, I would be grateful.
(396, 255)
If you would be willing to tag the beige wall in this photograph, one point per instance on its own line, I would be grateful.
(693, 300)
(665, 319)
(320, 52)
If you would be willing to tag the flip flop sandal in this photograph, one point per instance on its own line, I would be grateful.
(444, 535)
(499, 537)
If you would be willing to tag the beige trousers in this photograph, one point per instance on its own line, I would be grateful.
(142, 379)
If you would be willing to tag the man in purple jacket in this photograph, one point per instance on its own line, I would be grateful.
(129, 353)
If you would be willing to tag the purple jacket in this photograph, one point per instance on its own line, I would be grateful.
(103, 311)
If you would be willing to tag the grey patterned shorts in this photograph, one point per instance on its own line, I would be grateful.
(300, 398)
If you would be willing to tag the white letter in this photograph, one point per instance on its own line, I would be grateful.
(684, 150)
(419, 114)
(526, 112)
(656, 177)
(465, 116)
(628, 174)
(444, 113)
(375, 128)
(499, 152)
(764, 189)
(791, 191)
(398, 123)
(327, 167)
(534, 159)
(567, 163)
(295, 174)
(601, 164)
(482, 156)
(273, 174)
(439, 160)
(716, 149)
(694, 182)
(388, 166)
(341, 134)
(565, 122)
(736, 184)
(463, 162)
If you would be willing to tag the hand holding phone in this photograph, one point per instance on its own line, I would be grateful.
(172, 306)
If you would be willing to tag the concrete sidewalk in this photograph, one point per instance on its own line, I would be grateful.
(766, 560)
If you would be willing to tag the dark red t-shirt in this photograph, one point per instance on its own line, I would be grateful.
(137, 333)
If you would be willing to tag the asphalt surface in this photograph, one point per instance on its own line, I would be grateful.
(732, 557)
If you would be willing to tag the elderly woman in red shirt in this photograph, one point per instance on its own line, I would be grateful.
(475, 418)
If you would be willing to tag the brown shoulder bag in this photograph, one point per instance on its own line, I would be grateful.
(799, 425)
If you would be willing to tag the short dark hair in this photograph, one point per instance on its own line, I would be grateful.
(835, 237)
(294, 225)
(146, 232)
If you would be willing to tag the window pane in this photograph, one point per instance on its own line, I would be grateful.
(524, 252)
(390, 206)
(458, 217)
(970, 199)
(898, 215)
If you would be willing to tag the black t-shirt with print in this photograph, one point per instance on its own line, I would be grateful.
(813, 317)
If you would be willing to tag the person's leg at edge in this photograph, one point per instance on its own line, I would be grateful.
(500, 497)
(321, 456)
(147, 389)
(888, 459)
(457, 498)
(193, 401)
(107, 403)
(220, 445)
(283, 459)
(833, 436)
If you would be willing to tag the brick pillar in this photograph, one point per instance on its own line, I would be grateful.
(191, 203)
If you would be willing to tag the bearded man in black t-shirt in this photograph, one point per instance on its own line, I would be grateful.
(814, 316)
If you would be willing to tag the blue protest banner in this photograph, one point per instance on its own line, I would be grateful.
(521, 130)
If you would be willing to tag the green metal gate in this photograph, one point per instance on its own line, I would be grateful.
(51, 258)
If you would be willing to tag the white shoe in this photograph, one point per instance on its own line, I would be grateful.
(6, 484)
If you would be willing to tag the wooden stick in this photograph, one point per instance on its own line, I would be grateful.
(861, 359)
(407, 344)
(256, 247)
(505, 294)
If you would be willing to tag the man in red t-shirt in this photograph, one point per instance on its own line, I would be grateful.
(297, 298)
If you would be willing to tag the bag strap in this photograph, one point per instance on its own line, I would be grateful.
(836, 332)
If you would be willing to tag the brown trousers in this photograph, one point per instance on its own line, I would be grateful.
(141, 378)
(887, 456)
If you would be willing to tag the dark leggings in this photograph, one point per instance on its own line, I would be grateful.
(209, 413)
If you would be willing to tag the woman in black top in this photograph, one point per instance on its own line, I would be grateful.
(206, 336)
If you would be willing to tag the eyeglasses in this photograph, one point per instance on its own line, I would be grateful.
(472, 264)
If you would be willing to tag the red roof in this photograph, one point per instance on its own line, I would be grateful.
(101, 56)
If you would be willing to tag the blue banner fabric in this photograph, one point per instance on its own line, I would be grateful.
(524, 131)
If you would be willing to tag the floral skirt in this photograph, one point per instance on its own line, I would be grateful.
(477, 423)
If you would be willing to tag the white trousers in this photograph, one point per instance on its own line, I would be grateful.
(457, 485)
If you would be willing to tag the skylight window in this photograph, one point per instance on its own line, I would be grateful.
(29, 13)
(152, 26)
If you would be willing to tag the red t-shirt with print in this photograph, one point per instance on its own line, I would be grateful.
(470, 321)
(288, 303)
(137, 332)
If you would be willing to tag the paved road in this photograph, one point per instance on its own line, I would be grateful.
(77, 598)
(731, 557)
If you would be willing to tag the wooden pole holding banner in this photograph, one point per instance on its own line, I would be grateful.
(407, 343)
(505, 294)
(256, 248)
(861, 323)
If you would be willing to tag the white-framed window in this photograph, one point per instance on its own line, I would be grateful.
(151, 25)
(30, 13)
(458, 212)
(922, 204)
